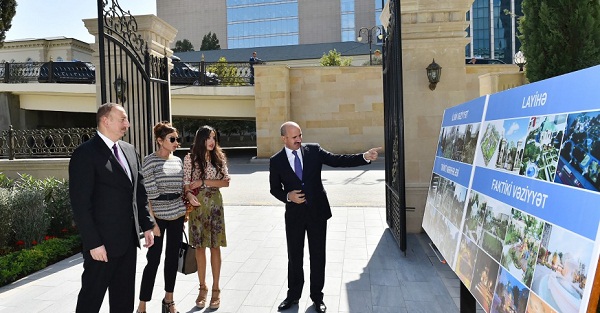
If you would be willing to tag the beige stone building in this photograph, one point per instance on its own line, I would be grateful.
(45, 49)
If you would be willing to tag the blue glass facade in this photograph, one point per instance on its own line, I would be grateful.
(260, 23)
(347, 20)
(378, 10)
(493, 31)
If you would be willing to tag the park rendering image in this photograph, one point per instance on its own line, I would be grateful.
(580, 152)
(518, 221)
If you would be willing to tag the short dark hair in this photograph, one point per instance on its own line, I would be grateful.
(104, 110)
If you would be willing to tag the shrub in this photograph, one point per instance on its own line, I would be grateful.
(24, 262)
(5, 182)
(6, 233)
(334, 58)
(29, 218)
(59, 207)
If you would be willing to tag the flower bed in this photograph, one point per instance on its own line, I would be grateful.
(36, 225)
(18, 264)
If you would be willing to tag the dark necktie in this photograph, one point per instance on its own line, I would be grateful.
(116, 150)
(297, 165)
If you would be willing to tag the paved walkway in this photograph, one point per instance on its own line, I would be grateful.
(366, 271)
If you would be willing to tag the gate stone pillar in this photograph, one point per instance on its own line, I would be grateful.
(157, 33)
(272, 101)
(431, 29)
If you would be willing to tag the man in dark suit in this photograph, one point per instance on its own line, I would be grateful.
(110, 207)
(295, 179)
(253, 60)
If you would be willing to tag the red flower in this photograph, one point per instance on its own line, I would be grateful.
(49, 237)
(34, 242)
(64, 230)
(20, 243)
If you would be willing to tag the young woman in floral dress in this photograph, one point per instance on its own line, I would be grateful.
(205, 171)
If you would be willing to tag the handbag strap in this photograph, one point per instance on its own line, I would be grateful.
(185, 235)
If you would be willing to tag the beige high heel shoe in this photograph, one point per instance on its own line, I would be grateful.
(215, 299)
(201, 300)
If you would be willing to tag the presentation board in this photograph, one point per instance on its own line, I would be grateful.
(514, 199)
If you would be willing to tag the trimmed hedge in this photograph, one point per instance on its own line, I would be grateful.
(19, 264)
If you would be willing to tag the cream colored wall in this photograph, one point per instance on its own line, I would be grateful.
(495, 82)
(235, 102)
(57, 168)
(339, 107)
(473, 85)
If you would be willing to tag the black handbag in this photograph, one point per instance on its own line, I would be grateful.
(187, 258)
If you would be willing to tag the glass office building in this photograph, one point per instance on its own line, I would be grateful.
(263, 23)
(493, 29)
(260, 23)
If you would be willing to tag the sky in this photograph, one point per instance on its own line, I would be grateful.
(55, 18)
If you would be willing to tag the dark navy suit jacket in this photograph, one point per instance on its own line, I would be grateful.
(283, 179)
(102, 197)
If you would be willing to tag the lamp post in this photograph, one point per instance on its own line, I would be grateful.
(370, 33)
(520, 60)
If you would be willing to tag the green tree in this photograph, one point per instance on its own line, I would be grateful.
(8, 8)
(183, 46)
(334, 58)
(210, 42)
(559, 36)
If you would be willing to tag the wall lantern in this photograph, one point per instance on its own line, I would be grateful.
(120, 89)
(434, 72)
(520, 60)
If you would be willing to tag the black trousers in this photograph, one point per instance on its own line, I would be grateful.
(173, 231)
(296, 226)
(117, 275)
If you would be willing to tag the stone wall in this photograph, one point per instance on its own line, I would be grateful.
(339, 107)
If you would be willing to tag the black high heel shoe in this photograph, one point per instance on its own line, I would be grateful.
(166, 306)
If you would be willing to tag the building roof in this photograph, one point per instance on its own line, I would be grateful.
(280, 53)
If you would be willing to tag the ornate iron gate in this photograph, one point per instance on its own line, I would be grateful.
(131, 75)
(394, 127)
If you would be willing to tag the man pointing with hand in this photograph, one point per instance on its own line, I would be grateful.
(295, 179)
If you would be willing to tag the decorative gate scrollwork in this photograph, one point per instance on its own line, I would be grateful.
(131, 75)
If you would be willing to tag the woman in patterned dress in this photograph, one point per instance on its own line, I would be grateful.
(163, 179)
(205, 171)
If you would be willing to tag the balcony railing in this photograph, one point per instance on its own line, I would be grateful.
(42, 143)
(184, 73)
